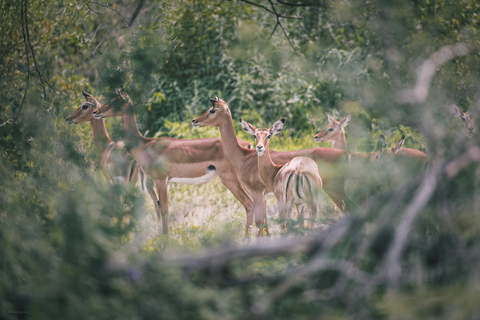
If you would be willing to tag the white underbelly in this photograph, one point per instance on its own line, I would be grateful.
(211, 174)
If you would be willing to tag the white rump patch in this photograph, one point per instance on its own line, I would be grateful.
(211, 174)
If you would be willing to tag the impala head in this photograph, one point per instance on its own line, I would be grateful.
(468, 120)
(84, 113)
(262, 136)
(118, 106)
(382, 145)
(333, 130)
(214, 116)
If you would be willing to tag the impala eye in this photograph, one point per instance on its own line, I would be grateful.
(330, 129)
(255, 136)
(211, 111)
(269, 136)
(85, 107)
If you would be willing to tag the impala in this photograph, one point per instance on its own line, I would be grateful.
(468, 120)
(296, 182)
(334, 132)
(244, 161)
(116, 164)
(168, 159)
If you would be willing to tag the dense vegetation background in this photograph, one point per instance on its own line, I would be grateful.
(75, 246)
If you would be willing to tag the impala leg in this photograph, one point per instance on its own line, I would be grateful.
(301, 214)
(260, 212)
(231, 182)
(335, 188)
(313, 214)
(162, 190)
(150, 186)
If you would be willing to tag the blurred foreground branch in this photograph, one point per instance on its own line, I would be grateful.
(427, 71)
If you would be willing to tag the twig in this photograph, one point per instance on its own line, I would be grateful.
(136, 12)
(469, 156)
(37, 69)
(425, 192)
(6, 122)
(428, 69)
(280, 24)
(27, 58)
(88, 2)
(290, 4)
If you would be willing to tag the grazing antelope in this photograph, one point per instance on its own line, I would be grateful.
(243, 160)
(469, 126)
(168, 159)
(334, 132)
(296, 182)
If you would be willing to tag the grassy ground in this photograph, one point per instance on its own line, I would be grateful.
(209, 215)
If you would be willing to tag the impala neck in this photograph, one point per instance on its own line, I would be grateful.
(267, 168)
(340, 142)
(130, 129)
(100, 135)
(233, 152)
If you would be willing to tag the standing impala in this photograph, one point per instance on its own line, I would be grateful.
(295, 182)
(116, 164)
(330, 162)
(168, 159)
(334, 132)
(468, 120)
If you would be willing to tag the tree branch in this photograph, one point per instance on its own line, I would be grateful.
(88, 2)
(280, 24)
(428, 69)
(37, 69)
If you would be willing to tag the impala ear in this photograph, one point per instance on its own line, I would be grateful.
(345, 121)
(277, 127)
(121, 92)
(456, 112)
(248, 127)
(89, 97)
(381, 145)
(331, 120)
(399, 145)
(212, 101)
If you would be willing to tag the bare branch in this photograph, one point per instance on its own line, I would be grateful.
(88, 2)
(27, 57)
(280, 24)
(428, 69)
(37, 69)
(469, 156)
(271, 11)
(425, 192)
(136, 12)
(308, 4)
(216, 259)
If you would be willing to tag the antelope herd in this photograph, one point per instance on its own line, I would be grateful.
(294, 177)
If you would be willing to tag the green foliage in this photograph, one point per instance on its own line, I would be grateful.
(75, 246)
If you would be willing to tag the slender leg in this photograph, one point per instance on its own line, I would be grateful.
(301, 214)
(162, 190)
(260, 211)
(313, 214)
(231, 182)
(335, 190)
